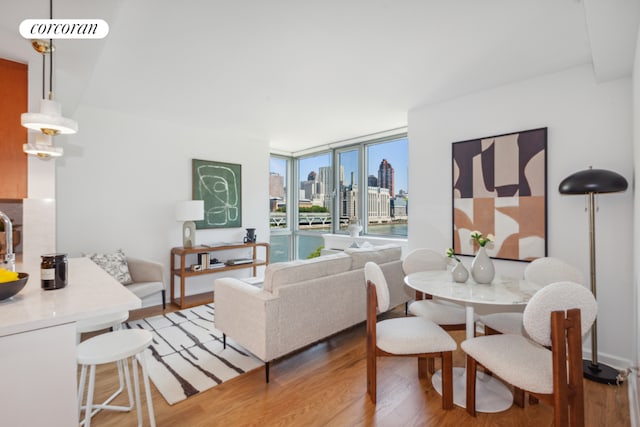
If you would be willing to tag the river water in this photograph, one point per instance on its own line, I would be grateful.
(308, 243)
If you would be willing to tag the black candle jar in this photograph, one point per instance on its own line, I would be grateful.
(53, 271)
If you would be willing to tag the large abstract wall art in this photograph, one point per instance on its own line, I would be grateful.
(499, 188)
(219, 185)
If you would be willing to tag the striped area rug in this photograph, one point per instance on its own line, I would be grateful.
(186, 356)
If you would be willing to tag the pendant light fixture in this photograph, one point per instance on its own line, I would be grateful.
(49, 121)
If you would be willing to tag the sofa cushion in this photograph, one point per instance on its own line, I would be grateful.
(115, 264)
(285, 273)
(378, 254)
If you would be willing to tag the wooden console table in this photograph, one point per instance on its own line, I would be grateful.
(183, 271)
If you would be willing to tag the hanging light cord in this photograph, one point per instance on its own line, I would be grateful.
(44, 60)
(51, 54)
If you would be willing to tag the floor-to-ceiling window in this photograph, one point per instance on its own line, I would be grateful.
(279, 220)
(315, 202)
(387, 196)
(349, 209)
(365, 181)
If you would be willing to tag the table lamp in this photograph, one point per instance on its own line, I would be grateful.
(189, 211)
(590, 182)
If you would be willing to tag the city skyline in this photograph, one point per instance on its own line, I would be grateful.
(396, 154)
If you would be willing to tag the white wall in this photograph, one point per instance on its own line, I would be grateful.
(588, 124)
(122, 175)
(636, 223)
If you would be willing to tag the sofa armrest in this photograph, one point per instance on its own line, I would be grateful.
(247, 314)
(144, 270)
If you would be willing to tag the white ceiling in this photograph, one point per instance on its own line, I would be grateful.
(301, 73)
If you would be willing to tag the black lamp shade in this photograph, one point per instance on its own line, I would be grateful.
(593, 181)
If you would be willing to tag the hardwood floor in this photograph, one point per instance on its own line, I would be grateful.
(325, 385)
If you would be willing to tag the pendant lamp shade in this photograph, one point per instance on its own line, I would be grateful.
(49, 120)
(593, 181)
(43, 147)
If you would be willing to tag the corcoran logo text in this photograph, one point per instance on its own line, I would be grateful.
(64, 28)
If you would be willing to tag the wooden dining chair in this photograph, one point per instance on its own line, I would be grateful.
(449, 315)
(548, 364)
(542, 271)
(404, 337)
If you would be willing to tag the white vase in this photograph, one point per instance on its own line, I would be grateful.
(354, 229)
(459, 273)
(482, 269)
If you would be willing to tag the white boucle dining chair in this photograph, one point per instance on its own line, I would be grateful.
(404, 336)
(557, 316)
(542, 271)
(449, 315)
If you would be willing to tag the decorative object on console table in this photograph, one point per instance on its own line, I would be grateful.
(239, 261)
(251, 236)
(590, 182)
(499, 183)
(203, 260)
(219, 186)
(215, 263)
(189, 211)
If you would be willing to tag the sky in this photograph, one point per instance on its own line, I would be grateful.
(395, 152)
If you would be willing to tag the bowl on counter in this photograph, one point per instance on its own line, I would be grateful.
(9, 289)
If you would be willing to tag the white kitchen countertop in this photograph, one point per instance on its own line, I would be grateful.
(90, 291)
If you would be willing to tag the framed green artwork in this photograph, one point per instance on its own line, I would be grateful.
(219, 185)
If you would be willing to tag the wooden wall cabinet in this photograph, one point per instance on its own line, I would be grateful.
(13, 102)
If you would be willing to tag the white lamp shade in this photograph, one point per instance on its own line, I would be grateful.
(43, 147)
(49, 120)
(190, 210)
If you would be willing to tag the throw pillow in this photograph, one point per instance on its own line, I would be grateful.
(115, 264)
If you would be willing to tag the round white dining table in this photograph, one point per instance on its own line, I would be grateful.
(492, 395)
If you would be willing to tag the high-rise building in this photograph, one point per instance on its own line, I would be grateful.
(312, 176)
(378, 200)
(372, 181)
(276, 190)
(325, 180)
(276, 185)
(386, 176)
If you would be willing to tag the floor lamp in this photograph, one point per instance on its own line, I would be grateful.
(590, 182)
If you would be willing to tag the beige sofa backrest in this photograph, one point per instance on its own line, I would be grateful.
(378, 254)
(285, 273)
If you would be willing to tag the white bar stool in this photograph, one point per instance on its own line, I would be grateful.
(113, 347)
(98, 323)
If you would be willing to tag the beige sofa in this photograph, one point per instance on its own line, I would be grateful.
(301, 302)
